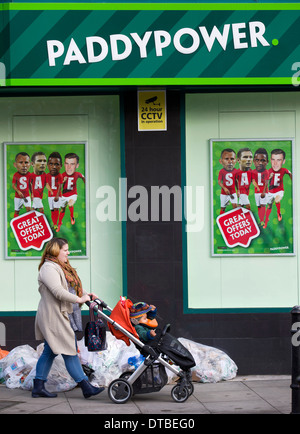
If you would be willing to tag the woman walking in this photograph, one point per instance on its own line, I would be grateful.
(58, 317)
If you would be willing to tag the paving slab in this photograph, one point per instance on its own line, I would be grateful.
(242, 395)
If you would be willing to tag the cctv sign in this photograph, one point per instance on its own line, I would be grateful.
(152, 115)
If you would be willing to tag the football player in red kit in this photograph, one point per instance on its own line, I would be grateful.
(245, 176)
(38, 180)
(54, 182)
(20, 183)
(276, 189)
(226, 179)
(261, 174)
(69, 189)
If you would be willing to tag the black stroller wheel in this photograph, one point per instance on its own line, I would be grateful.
(125, 376)
(180, 395)
(120, 391)
(190, 388)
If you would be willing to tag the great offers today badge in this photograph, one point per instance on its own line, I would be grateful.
(31, 230)
(238, 227)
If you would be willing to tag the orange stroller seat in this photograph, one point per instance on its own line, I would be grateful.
(120, 314)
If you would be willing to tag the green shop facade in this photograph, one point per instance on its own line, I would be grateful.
(152, 97)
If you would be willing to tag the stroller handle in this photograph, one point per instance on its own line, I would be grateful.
(100, 303)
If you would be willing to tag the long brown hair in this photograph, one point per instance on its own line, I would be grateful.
(53, 248)
(51, 254)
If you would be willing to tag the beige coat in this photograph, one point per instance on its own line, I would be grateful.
(52, 320)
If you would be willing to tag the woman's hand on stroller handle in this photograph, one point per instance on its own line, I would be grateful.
(94, 298)
(85, 298)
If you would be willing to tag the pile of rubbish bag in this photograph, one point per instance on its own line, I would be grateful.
(17, 368)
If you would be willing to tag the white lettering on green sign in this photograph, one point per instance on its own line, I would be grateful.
(120, 46)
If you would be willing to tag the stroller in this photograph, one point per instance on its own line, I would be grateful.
(164, 351)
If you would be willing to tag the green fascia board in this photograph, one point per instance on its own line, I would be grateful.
(151, 6)
(234, 81)
(190, 78)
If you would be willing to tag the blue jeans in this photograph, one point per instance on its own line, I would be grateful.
(72, 363)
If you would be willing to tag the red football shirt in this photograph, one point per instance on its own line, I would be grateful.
(261, 178)
(244, 179)
(38, 183)
(54, 182)
(70, 187)
(276, 182)
(22, 182)
(227, 178)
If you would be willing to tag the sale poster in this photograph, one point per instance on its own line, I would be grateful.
(252, 201)
(45, 197)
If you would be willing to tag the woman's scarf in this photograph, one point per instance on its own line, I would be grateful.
(70, 274)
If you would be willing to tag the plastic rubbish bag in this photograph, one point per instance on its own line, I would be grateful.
(114, 361)
(110, 363)
(17, 365)
(212, 364)
(59, 380)
(91, 359)
(18, 370)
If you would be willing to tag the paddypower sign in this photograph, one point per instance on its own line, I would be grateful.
(120, 46)
(149, 44)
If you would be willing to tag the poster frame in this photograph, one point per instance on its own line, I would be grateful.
(7, 225)
(214, 225)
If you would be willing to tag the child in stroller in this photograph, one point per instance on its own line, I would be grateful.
(142, 316)
(164, 351)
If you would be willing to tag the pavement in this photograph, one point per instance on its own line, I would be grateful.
(242, 395)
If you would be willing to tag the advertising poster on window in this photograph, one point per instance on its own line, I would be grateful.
(252, 197)
(45, 197)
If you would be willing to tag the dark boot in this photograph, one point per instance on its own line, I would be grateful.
(88, 389)
(39, 390)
